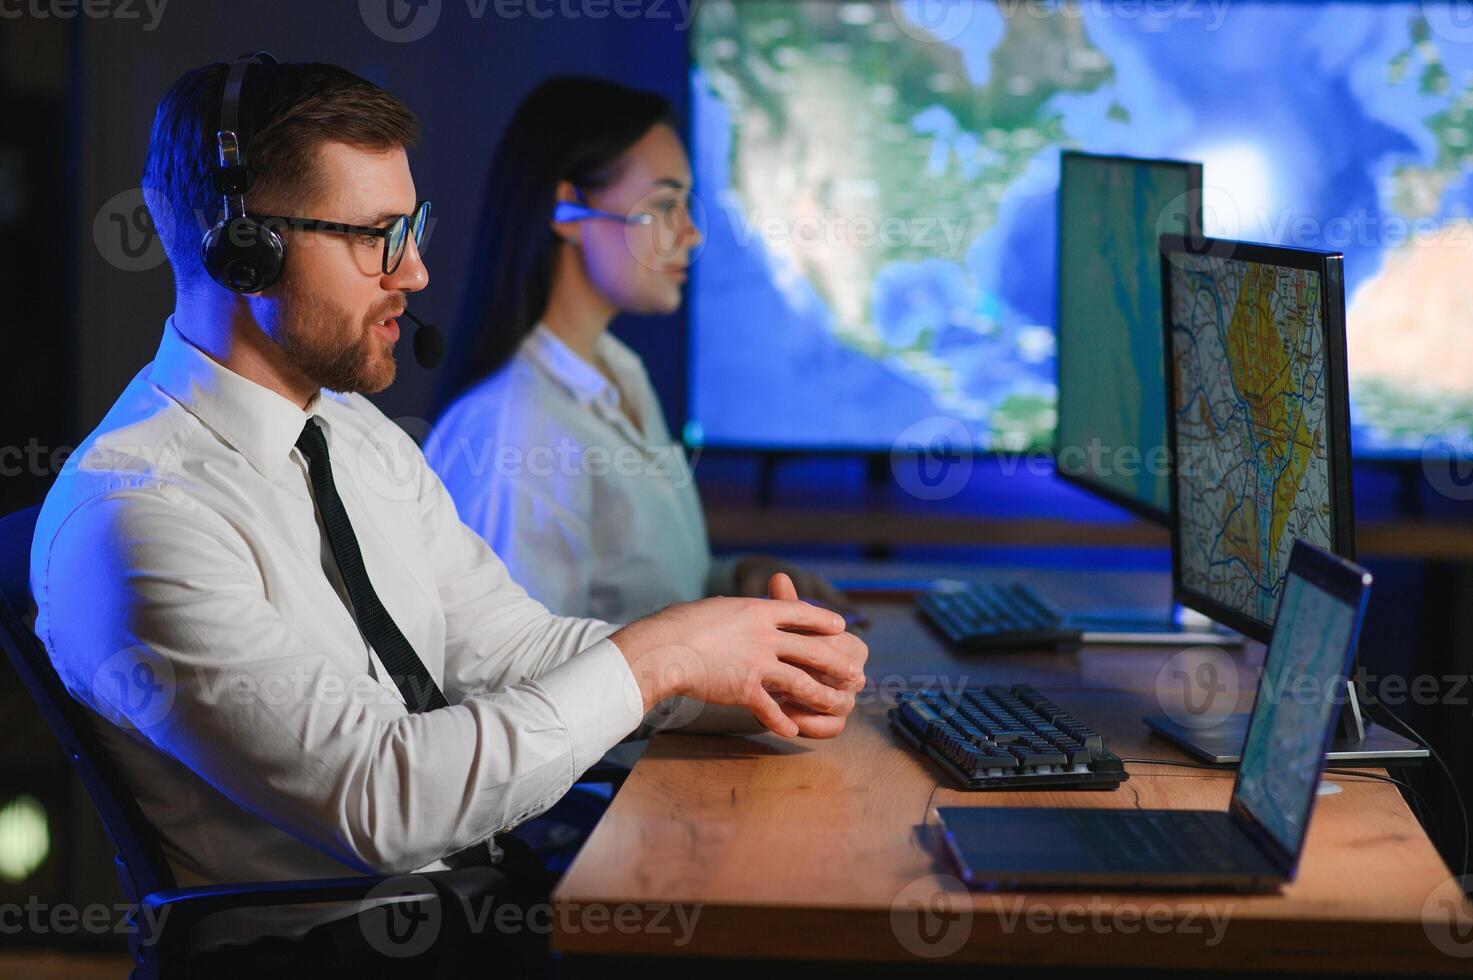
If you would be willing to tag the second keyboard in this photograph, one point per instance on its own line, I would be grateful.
(1006, 738)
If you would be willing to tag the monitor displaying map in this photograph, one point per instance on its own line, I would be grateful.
(1256, 388)
(1111, 434)
(879, 180)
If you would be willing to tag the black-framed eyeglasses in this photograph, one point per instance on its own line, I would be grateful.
(395, 234)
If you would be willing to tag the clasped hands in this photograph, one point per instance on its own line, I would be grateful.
(790, 663)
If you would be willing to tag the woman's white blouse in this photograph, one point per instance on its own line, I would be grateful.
(591, 515)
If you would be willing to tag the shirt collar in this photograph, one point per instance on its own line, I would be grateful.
(582, 380)
(258, 423)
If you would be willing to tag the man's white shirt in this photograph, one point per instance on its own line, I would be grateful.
(189, 597)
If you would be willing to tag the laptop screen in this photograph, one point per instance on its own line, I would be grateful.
(1299, 693)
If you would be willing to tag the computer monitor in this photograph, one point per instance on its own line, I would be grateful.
(1111, 432)
(879, 186)
(1258, 427)
(1257, 420)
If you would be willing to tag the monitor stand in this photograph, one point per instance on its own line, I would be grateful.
(1177, 626)
(1358, 742)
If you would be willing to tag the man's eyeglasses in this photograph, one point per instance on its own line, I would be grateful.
(395, 234)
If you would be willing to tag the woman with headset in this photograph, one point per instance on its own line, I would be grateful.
(554, 446)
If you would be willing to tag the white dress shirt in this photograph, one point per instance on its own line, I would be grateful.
(592, 515)
(189, 597)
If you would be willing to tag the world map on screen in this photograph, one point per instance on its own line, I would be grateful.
(879, 185)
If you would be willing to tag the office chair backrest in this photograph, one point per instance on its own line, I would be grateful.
(143, 869)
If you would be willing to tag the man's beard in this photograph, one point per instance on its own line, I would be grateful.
(322, 340)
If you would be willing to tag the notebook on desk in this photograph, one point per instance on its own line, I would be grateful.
(1255, 844)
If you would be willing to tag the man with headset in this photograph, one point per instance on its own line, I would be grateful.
(302, 661)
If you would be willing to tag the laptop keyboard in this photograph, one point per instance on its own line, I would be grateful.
(1128, 839)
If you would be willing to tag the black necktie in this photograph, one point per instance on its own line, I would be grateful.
(420, 691)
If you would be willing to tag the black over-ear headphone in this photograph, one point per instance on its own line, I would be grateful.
(240, 253)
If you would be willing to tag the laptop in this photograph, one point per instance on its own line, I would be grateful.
(1255, 844)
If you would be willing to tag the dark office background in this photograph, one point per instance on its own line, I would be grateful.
(87, 295)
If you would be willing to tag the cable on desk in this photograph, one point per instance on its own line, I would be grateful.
(1421, 801)
(925, 816)
(1457, 792)
(1182, 764)
(1426, 816)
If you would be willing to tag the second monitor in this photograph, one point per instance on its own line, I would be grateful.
(1110, 437)
(1258, 425)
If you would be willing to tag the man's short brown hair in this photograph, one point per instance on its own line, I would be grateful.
(322, 104)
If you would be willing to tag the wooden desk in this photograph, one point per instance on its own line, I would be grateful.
(823, 850)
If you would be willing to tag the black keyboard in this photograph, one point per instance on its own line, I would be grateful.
(980, 617)
(1006, 738)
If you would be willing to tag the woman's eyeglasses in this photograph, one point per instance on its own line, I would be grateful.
(395, 234)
